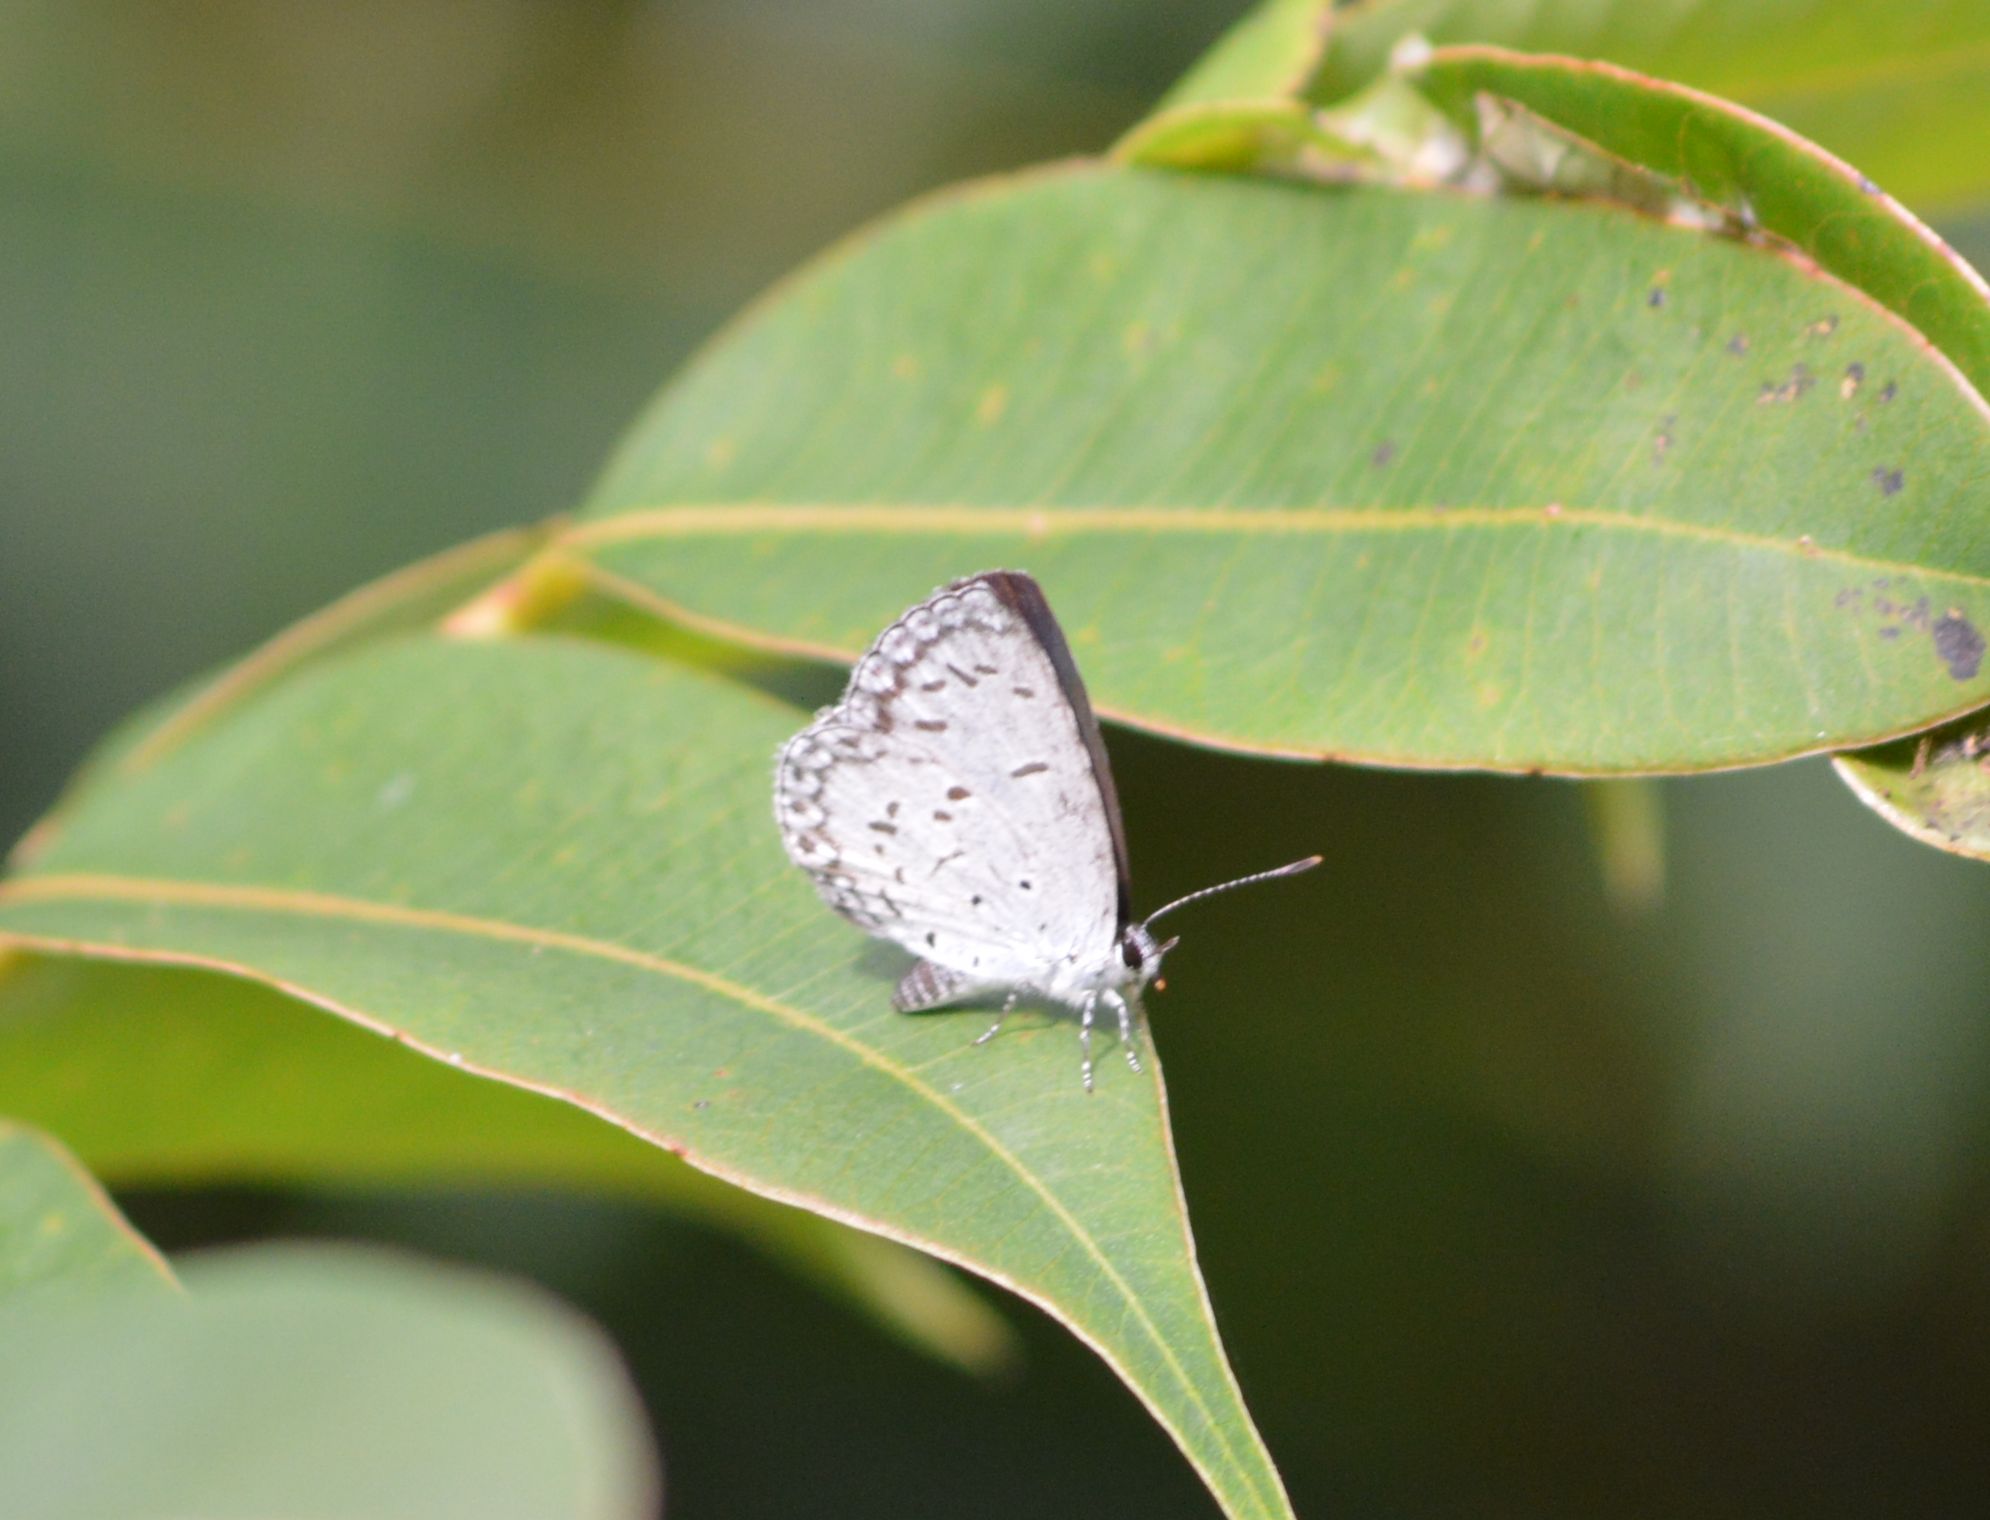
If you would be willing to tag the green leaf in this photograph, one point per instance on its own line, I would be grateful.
(1342, 472)
(1901, 90)
(1762, 174)
(1251, 136)
(1933, 786)
(57, 1228)
(1272, 52)
(297, 1384)
(413, 597)
(555, 863)
(240, 1084)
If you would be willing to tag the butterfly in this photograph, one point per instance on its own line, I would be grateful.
(958, 801)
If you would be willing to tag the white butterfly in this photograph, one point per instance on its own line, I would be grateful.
(958, 801)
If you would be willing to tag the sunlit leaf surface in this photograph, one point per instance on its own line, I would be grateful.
(1412, 478)
(555, 862)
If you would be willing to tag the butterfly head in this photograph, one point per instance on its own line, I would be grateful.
(1141, 953)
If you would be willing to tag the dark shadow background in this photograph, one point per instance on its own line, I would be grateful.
(1511, 1204)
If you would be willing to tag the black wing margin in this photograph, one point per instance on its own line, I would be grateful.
(1022, 595)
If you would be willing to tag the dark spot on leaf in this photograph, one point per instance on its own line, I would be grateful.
(1738, 344)
(702, 1103)
(1031, 769)
(1855, 376)
(1792, 389)
(1888, 481)
(1888, 391)
(1657, 297)
(1823, 327)
(957, 794)
(1889, 633)
(1384, 452)
(1959, 644)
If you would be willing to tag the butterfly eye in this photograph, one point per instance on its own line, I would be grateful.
(1129, 951)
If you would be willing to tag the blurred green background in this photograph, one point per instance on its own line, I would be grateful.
(1510, 1203)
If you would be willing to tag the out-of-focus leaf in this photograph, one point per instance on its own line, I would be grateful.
(1760, 174)
(555, 863)
(317, 1385)
(1899, 87)
(1272, 52)
(1627, 829)
(1934, 786)
(1256, 136)
(1343, 471)
(167, 1077)
(58, 1229)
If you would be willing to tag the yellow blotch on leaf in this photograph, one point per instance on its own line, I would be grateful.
(993, 403)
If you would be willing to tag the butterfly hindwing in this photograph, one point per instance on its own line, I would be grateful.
(957, 800)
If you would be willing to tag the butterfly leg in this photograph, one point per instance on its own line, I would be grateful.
(1085, 1035)
(1008, 1007)
(1125, 1008)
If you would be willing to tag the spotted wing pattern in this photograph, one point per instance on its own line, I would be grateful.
(958, 801)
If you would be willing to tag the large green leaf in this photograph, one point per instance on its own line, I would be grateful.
(1761, 173)
(1418, 479)
(317, 1385)
(1899, 87)
(58, 1229)
(240, 1084)
(555, 862)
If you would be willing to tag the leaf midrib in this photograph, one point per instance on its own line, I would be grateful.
(698, 520)
(87, 886)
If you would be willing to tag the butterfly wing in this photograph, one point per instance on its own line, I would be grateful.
(958, 799)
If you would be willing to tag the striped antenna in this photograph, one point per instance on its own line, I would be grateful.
(1242, 881)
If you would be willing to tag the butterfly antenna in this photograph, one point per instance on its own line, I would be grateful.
(1242, 881)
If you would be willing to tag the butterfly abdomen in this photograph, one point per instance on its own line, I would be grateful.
(929, 986)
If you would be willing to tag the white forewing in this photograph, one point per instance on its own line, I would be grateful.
(950, 802)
